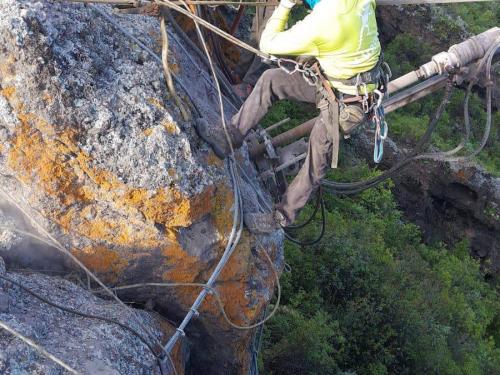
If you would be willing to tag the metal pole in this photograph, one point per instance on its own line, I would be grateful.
(278, 124)
(399, 100)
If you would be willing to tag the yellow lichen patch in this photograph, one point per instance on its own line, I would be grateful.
(184, 266)
(156, 102)
(8, 92)
(148, 132)
(107, 263)
(221, 212)
(170, 127)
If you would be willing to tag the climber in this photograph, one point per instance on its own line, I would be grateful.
(342, 35)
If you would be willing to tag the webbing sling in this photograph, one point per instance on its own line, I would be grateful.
(329, 106)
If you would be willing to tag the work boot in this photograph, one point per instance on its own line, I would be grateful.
(216, 138)
(264, 223)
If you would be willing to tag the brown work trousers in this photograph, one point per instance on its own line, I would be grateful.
(273, 85)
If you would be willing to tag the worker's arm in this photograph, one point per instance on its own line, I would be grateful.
(298, 40)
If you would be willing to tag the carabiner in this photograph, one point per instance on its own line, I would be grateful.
(288, 71)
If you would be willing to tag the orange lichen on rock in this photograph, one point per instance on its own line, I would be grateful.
(156, 102)
(169, 207)
(109, 264)
(186, 267)
(44, 162)
(221, 210)
(174, 68)
(170, 127)
(8, 92)
(232, 285)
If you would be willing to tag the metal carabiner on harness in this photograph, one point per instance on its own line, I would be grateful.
(381, 128)
(296, 66)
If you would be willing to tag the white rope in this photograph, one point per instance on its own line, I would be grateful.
(52, 241)
(38, 348)
(140, 44)
(237, 227)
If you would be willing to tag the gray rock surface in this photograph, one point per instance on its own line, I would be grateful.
(89, 346)
(95, 151)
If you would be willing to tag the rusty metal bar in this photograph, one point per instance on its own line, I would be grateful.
(415, 93)
(278, 124)
(286, 137)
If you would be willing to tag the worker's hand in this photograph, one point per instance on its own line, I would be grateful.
(288, 3)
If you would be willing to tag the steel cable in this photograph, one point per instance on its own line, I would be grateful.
(57, 245)
(79, 313)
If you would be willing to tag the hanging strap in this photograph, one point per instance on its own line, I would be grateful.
(330, 112)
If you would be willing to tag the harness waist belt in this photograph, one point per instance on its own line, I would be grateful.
(371, 76)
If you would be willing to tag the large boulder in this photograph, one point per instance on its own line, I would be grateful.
(88, 345)
(94, 149)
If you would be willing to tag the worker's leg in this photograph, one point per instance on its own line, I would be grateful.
(310, 175)
(273, 85)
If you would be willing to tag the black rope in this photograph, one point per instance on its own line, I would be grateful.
(417, 154)
(323, 226)
(313, 215)
(82, 314)
(351, 188)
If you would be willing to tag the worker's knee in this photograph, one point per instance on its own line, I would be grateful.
(269, 76)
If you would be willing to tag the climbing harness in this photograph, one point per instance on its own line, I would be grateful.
(341, 188)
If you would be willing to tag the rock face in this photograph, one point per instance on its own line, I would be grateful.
(88, 345)
(95, 150)
(449, 201)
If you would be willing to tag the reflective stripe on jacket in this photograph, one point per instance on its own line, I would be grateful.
(341, 34)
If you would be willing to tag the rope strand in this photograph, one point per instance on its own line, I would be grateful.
(38, 348)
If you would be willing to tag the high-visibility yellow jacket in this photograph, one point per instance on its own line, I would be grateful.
(341, 34)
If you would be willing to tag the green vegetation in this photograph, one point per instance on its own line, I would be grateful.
(372, 299)
(408, 124)
(476, 18)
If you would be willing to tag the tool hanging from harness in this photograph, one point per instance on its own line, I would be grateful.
(344, 113)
